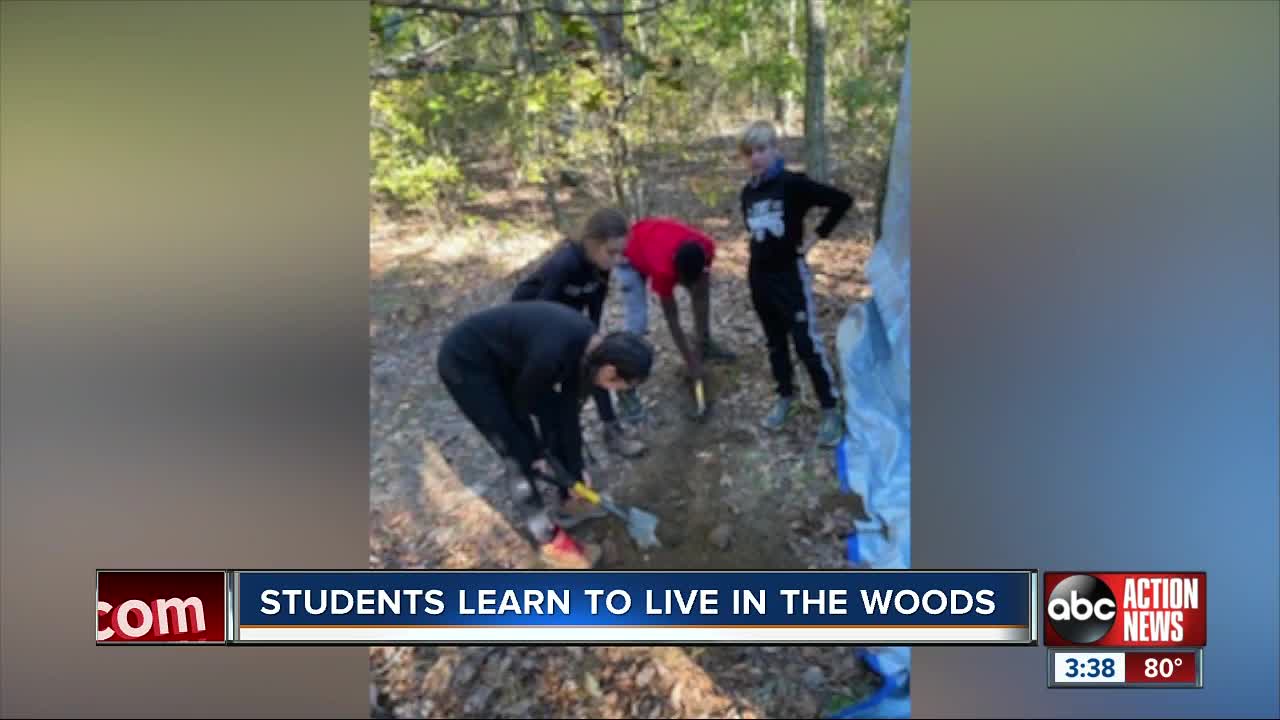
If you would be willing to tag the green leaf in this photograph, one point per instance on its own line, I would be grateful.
(839, 701)
(578, 28)
(594, 102)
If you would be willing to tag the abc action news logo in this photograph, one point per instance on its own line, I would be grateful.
(1125, 609)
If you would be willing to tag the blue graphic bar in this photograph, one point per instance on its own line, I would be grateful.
(649, 607)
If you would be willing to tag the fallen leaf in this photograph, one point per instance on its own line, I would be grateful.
(720, 536)
(591, 685)
(478, 699)
(463, 675)
(813, 677)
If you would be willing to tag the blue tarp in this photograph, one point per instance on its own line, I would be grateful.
(874, 457)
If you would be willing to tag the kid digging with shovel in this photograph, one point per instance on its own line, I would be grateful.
(510, 365)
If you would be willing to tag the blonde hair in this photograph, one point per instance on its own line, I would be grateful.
(603, 224)
(758, 134)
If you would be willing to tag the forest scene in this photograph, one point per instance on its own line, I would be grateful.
(496, 128)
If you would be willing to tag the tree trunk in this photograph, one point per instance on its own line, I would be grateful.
(642, 38)
(789, 98)
(557, 31)
(520, 136)
(815, 135)
(524, 38)
(755, 84)
(527, 61)
(864, 37)
(624, 180)
(713, 106)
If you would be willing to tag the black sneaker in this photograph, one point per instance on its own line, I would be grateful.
(629, 406)
(713, 351)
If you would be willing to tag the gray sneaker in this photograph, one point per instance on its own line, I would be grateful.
(629, 406)
(778, 416)
(616, 440)
(831, 429)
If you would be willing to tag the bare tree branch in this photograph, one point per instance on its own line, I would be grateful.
(493, 11)
(415, 68)
(416, 63)
(468, 27)
(395, 22)
(420, 58)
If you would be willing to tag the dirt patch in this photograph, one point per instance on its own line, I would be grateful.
(728, 494)
(686, 487)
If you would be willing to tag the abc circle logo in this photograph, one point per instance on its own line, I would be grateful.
(1082, 609)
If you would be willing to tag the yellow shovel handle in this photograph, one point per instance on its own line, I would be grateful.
(587, 493)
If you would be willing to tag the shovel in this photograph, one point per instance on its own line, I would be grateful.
(641, 526)
(698, 411)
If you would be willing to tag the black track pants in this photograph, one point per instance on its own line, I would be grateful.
(784, 302)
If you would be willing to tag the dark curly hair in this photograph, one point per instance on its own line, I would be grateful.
(629, 354)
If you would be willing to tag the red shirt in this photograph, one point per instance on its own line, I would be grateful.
(651, 250)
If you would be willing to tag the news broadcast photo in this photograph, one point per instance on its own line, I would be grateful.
(509, 358)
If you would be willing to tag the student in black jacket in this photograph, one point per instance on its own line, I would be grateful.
(577, 275)
(512, 364)
(774, 204)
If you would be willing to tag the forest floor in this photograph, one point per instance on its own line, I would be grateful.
(437, 500)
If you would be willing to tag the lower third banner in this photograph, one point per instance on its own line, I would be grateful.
(645, 608)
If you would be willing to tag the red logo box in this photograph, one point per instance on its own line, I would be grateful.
(1145, 609)
(162, 607)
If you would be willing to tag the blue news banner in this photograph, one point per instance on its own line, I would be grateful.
(643, 607)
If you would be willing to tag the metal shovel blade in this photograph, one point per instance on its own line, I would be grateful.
(641, 526)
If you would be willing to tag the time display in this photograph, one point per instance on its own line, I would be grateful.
(1091, 668)
(1088, 668)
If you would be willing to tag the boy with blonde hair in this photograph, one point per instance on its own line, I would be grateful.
(774, 204)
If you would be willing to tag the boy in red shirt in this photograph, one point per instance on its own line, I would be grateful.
(667, 253)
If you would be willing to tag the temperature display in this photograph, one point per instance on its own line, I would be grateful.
(1154, 667)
